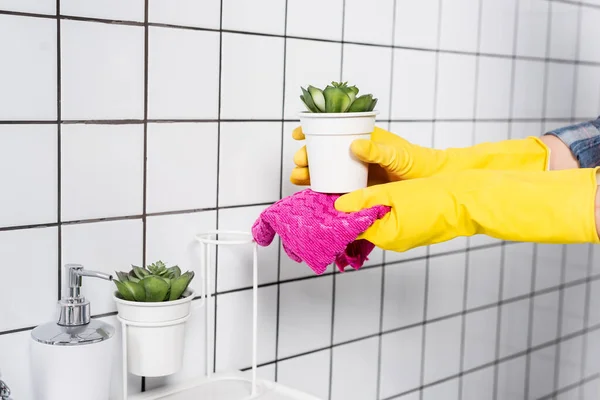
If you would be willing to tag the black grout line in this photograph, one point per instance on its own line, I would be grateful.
(145, 150)
(428, 250)
(216, 277)
(586, 316)
(241, 120)
(278, 241)
(58, 150)
(559, 320)
(536, 247)
(463, 317)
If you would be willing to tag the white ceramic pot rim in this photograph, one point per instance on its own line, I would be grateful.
(190, 296)
(308, 114)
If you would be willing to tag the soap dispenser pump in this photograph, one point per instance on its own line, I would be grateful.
(71, 358)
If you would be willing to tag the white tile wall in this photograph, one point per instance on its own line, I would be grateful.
(119, 144)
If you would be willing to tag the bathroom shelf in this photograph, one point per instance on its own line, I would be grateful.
(230, 385)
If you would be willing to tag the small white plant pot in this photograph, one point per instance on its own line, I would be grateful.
(333, 167)
(155, 334)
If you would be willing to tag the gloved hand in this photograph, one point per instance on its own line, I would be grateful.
(525, 206)
(393, 158)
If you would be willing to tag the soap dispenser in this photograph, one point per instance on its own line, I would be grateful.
(71, 358)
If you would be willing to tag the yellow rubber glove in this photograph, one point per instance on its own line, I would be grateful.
(393, 158)
(522, 206)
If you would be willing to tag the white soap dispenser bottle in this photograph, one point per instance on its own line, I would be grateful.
(71, 359)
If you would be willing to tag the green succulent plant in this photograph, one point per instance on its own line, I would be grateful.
(336, 98)
(152, 284)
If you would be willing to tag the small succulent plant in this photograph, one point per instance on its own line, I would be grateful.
(336, 98)
(152, 284)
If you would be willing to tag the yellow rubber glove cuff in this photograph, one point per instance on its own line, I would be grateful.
(530, 206)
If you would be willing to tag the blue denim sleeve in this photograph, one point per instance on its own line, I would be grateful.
(584, 141)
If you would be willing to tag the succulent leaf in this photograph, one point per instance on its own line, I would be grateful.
(179, 285)
(336, 100)
(140, 273)
(362, 103)
(124, 291)
(175, 272)
(156, 288)
(123, 276)
(317, 97)
(137, 290)
(308, 101)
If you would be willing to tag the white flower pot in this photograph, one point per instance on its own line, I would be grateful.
(333, 167)
(155, 334)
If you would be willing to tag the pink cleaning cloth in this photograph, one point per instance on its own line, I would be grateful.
(313, 231)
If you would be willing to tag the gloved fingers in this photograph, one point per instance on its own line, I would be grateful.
(376, 153)
(297, 133)
(365, 198)
(300, 176)
(301, 157)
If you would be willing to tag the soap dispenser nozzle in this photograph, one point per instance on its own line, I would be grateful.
(74, 307)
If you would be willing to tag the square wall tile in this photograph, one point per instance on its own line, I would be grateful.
(480, 338)
(577, 260)
(587, 99)
(570, 394)
(559, 96)
(545, 318)
(412, 254)
(521, 130)
(595, 259)
(29, 52)
(480, 239)
(590, 28)
(309, 373)
(305, 315)
(447, 390)
(354, 370)
(413, 84)
(29, 6)
(419, 133)
(187, 151)
(563, 30)
(459, 25)
(532, 28)
(554, 124)
(265, 16)
(453, 134)
(170, 238)
(484, 276)
(254, 91)
(528, 96)
(234, 328)
(518, 264)
(30, 152)
(102, 69)
(541, 368)
(102, 171)
(594, 304)
(548, 265)
(590, 389)
(573, 309)
(456, 85)
(132, 10)
(442, 349)
(375, 258)
(290, 147)
(446, 285)
(400, 361)
(369, 22)
(107, 247)
(490, 132)
(417, 23)
(299, 73)
(369, 77)
(404, 294)
(592, 361)
(182, 67)
(17, 375)
(514, 327)
(571, 353)
(249, 163)
(357, 304)
(315, 19)
(498, 26)
(456, 244)
(493, 87)
(511, 378)
(29, 252)
(478, 385)
(235, 262)
(205, 13)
